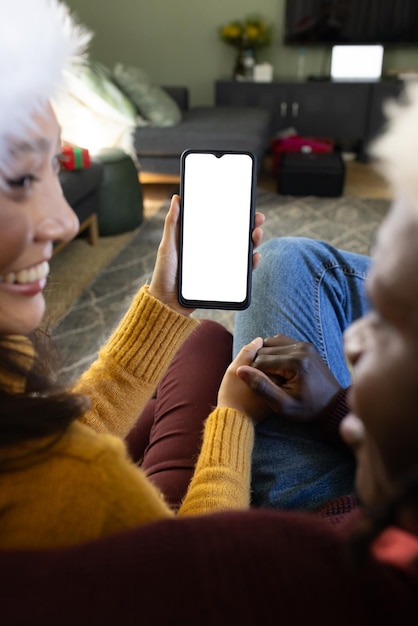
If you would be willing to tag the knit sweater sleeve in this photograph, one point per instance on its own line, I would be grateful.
(221, 479)
(132, 362)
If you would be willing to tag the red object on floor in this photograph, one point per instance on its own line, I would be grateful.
(296, 143)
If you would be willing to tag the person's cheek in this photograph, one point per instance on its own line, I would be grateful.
(13, 239)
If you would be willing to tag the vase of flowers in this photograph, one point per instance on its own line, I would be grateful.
(246, 36)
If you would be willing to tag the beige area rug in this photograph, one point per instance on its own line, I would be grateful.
(77, 265)
(74, 267)
(346, 222)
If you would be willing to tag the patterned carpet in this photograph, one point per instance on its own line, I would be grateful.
(348, 223)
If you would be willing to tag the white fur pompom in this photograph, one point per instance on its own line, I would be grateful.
(396, 150)
(39, 39)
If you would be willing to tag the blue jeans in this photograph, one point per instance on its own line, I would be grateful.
(310, 291)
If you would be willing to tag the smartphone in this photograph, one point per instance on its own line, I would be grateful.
(217, 208)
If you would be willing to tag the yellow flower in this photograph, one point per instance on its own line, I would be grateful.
(252, 32)
(231, 31)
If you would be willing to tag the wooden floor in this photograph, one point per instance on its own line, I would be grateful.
(361, 181)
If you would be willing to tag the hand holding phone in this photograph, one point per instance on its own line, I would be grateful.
(216, 222)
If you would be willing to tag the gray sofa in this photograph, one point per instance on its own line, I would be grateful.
(202, 127)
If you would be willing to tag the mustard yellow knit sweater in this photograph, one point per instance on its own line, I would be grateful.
(86, 486)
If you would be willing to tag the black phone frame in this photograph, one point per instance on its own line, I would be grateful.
(215, 304)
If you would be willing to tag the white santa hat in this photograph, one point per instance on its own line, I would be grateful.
(39, 39)
(396, 150)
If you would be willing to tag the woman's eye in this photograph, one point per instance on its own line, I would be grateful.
(23, 182)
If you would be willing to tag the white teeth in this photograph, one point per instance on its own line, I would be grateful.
(27, 276)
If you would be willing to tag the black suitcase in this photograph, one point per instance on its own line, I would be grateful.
(311, 174)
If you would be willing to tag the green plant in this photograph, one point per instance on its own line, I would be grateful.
(252, 32)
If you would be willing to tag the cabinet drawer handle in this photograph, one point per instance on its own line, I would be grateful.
(295, 109)
(283, 109)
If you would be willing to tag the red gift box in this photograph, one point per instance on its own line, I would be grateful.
(74, 158)
(296, 143)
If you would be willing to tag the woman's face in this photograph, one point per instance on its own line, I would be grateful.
(383, 350)
(33, 215)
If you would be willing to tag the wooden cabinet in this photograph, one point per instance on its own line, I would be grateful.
(348, 112)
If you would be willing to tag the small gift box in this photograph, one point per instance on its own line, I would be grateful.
(74, 158)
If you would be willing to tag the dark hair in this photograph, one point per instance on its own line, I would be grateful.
(41, 408)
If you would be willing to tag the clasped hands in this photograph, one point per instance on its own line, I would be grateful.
(278, 376)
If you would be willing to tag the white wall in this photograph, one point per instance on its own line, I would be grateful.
(177, 42)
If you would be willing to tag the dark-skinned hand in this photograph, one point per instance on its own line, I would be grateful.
(292, 378)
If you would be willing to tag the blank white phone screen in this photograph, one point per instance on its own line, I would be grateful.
(216, 226)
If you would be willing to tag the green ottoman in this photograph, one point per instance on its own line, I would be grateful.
(120, 193)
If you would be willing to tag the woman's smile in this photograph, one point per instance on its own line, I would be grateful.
(29, 275)
(27, 281)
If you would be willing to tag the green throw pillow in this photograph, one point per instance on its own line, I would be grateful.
(92, 84)
(94, 112)
(151, 101)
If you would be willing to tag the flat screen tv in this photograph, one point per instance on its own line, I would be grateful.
(322, 22)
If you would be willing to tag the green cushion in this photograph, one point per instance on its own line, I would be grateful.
(94, 112)
(92, 84)
(152, 102)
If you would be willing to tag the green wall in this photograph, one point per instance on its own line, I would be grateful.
(176, 41)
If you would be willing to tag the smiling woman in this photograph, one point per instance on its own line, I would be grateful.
(48, 449)
(33, 211)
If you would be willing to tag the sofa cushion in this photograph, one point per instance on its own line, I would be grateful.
(94, 112)
(99, 91)
(151, 101)
(208, 128)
